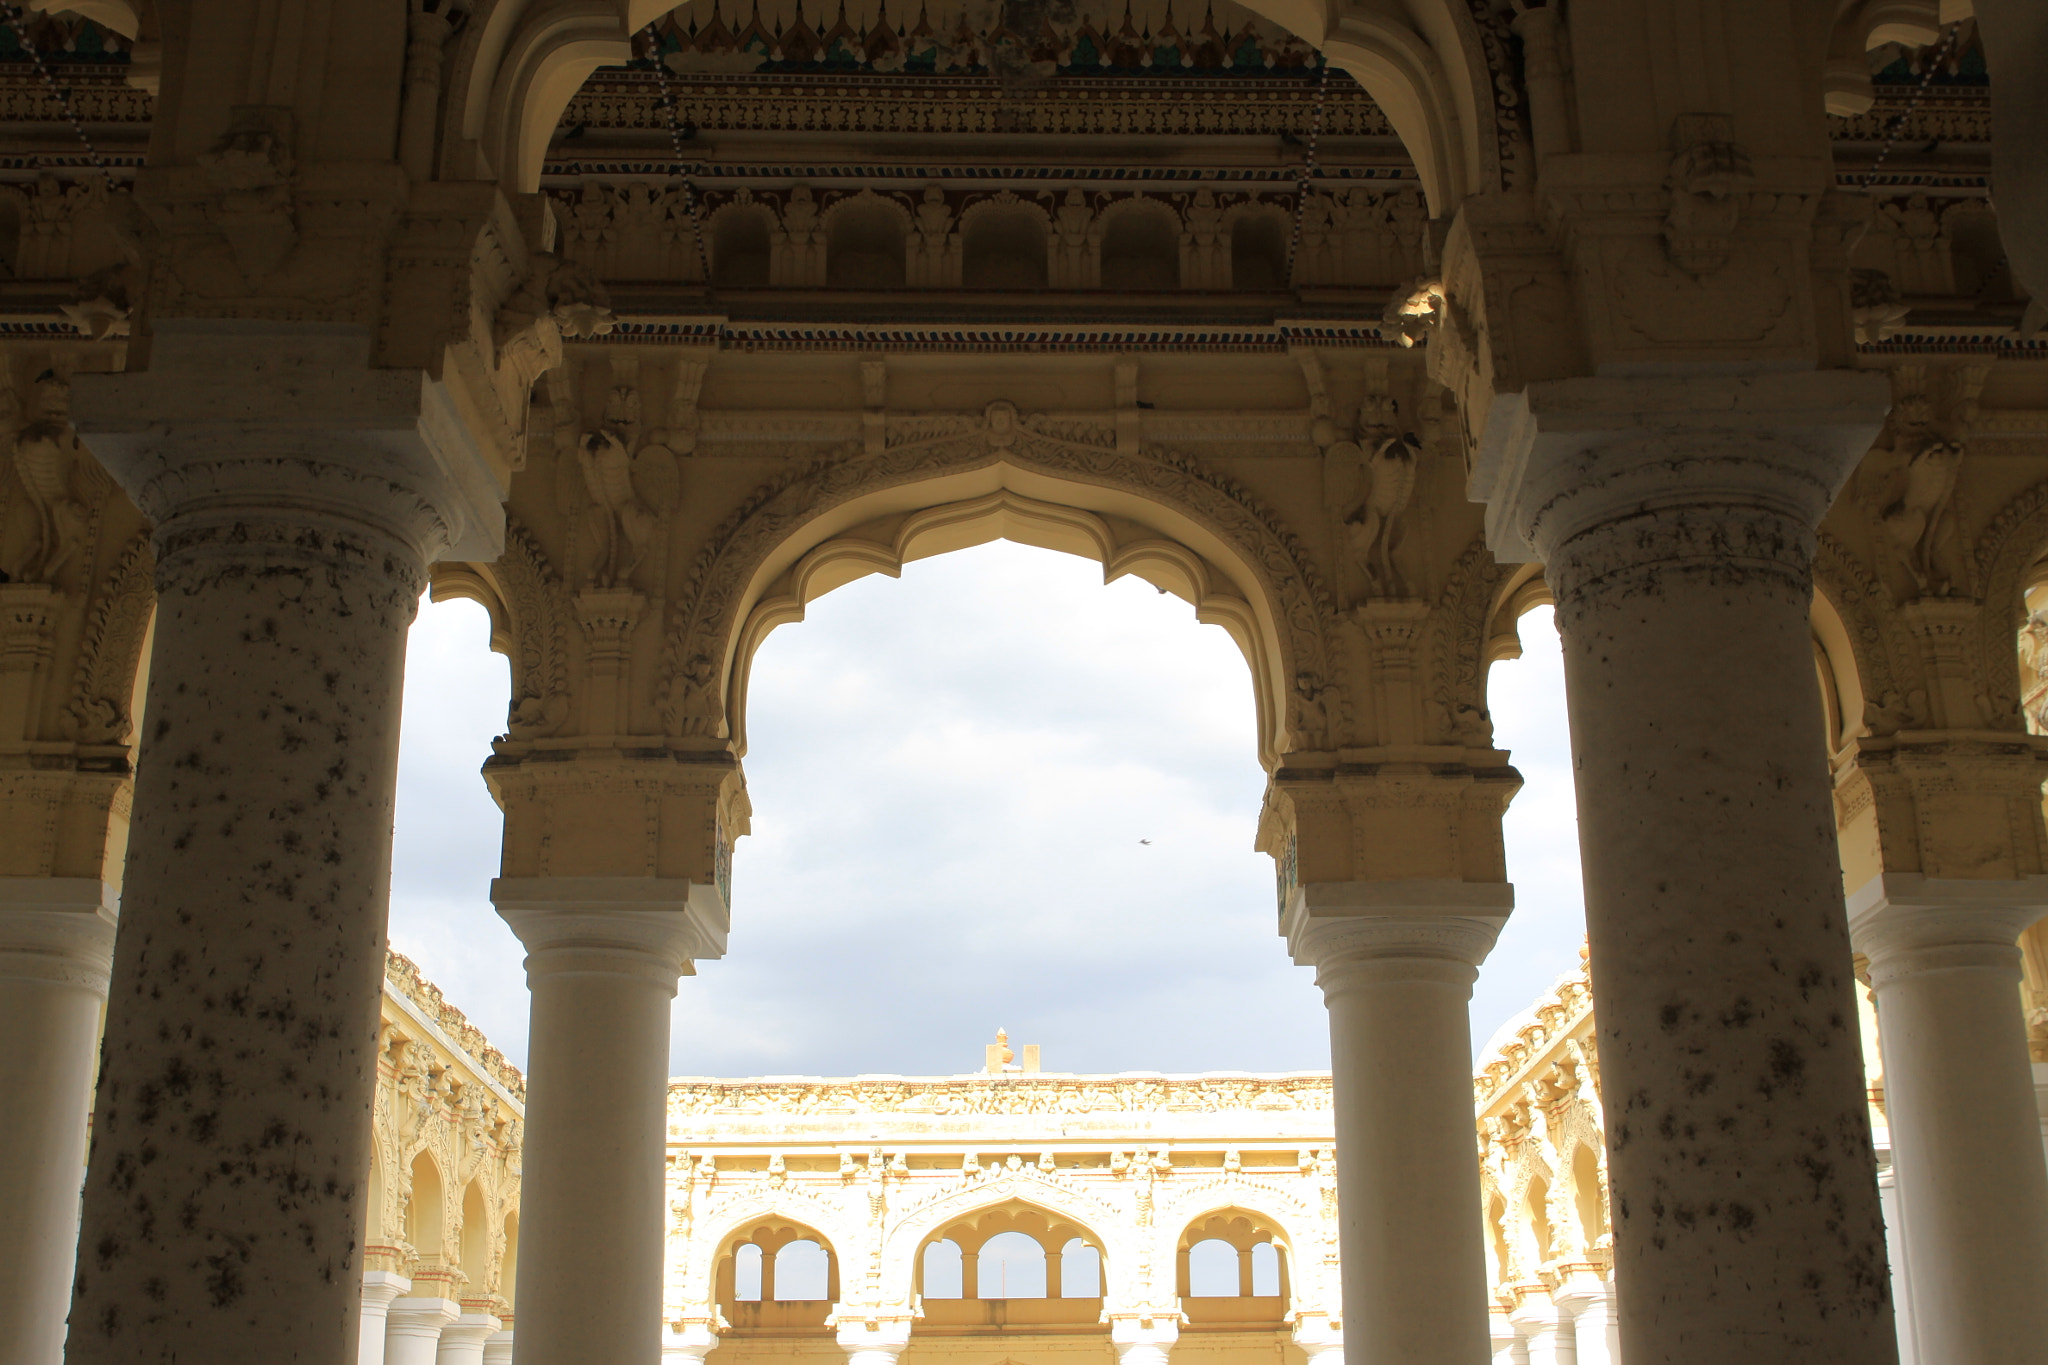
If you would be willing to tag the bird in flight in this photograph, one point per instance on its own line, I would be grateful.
(1144, 841)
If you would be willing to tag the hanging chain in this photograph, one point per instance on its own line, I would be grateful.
(684, 168)
(1308, 170)
(1898, 120)
(16, 20)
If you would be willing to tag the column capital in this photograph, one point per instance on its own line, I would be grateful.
(860, 1331)
(417, 1317)
(1319, 1335)
(382, 1286)
(1905, 922)
(1566, 456)
(238, 425)
(58, 929)
(1336, 924)
(654, 926)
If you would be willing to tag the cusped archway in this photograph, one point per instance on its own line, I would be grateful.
(953, 482)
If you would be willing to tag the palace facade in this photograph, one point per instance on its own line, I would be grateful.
(1362, 325)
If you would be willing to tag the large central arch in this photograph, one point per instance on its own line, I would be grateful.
(935, 483)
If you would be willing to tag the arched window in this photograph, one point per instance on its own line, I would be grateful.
(1012, 1266)
(1141, 250)
(476, 1234)
(802, 1272)
(739, 248)
(1266, 1271)
(1586, 1186)
(746, 1273)
(942, 1270)
(1538, 1205)
(1258, 251)
(1003, 246)
(424, 1215)
(1212, 1270)
(1080, 1271)
(864, 246)
(508, 1273)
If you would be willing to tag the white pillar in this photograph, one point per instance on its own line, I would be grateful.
(871, 1341)
(1321, 1341)
(498, 1350)
(603, 955)
(1959, 1094)
(1396, 961)
(463, 1340)
(1590, 1301)
(412, 1329)
(56, 945)
(1675, 516)
(1547, 1334)
(687, 1341)
(2041, 1103)
(298, 494)
(1141, 1340)
(1506, 1339)
(1895, 1243)
(380, 1287)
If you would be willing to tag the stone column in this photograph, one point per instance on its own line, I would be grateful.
(1505, 1339)
(873, 1341)
(1546, 1332)
(687, 1342)
(297, 496)
(1590, 1301)
(1396, 961)
(463, 1340)
(2041, 1104)
(56, 943)
(1959, 1094)
(603, 955)
(413, 1327)
(1675, 517)
(498, 1350)
(1320, 1341)
(380, 1287)
(1902, 1272)
(1139, 1340)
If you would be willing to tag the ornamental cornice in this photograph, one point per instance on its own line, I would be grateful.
(981, 1095)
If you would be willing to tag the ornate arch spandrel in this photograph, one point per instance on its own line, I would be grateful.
(2001, 561)
(784, 517)
(529, 610)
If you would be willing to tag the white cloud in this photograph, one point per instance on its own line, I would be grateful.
(951, 776)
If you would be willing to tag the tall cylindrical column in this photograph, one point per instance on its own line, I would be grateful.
(1139, 1340)
(380, 1287)
(1902, 1269)
(603, 955)
(1675, 518)
(1396, 962)
(1546, 1331)
(297, 496)
(463, 1340)
(1959, 1095)
(873, 1341)
(1590, 1301)
(413, 1327)
(56, 943)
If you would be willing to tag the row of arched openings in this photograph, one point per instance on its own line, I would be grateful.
(781, 1275)
(1003, 247)
(425, 1227)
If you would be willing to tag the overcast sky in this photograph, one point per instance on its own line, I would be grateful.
(952, 774)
